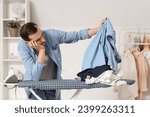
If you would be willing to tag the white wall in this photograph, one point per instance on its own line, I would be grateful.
(85, 13)
(75, 14)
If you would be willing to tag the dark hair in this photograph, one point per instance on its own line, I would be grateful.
(28, 29)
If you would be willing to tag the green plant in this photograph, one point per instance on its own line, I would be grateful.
(14, 24)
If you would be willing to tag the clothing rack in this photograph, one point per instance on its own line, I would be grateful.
(138, 33)
(130, 38)
(133, 30)
(136, 43)
(124, 36)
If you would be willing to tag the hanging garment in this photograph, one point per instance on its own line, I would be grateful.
(147, 56)
(128, 67)
(102, 50)
(146, 52)
(142, 70)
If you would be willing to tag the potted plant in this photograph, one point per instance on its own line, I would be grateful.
(13, 28)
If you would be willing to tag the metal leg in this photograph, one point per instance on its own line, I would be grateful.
(32, 91)
(75, 95)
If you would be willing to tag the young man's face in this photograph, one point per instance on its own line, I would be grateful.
(38, 37)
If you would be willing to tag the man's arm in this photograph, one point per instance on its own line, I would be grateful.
(32, 65)
(41, 56)
(40, 49)
(71, 37)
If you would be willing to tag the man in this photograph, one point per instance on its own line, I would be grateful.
(41, 56)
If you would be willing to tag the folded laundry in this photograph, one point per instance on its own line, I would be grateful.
(108, 77)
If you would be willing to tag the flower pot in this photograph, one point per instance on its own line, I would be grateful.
(13, 32)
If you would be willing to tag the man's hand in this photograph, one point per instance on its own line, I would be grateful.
(39, 48)
(36, 46)
(93, 31)
(101, 23)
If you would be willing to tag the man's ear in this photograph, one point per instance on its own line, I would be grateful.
(26, 42)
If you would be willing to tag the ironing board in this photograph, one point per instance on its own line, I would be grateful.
(65, 84)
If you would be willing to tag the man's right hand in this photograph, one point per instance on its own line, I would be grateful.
(36, 46)
(39, 48)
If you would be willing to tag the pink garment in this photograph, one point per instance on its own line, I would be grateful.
(142, 70)
(147, 56)
(128, 67)
(146, 53)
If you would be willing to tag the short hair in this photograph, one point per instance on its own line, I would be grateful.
(28, 29)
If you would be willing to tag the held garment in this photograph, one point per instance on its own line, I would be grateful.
(101, 52)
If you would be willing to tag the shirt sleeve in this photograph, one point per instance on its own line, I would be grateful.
(72, 37)
(32, 66)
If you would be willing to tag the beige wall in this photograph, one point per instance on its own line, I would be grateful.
(85, 13)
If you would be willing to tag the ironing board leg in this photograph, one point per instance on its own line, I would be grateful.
(75, 95)
(32, 91)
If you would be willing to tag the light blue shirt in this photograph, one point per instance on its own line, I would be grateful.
(33, 68)
(102, 50)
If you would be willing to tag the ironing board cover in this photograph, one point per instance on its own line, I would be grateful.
(65, 84)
